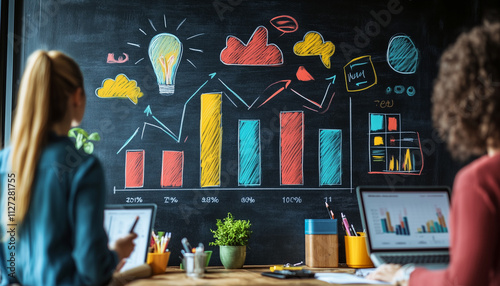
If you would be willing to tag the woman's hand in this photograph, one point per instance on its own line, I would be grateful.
(384, 272)
(120, 265)
(124, 246)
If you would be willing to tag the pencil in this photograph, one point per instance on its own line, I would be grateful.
(330, 212)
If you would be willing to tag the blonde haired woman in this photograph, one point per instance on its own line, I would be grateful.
(52, 195)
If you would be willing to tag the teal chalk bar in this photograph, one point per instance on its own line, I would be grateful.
(330, 157)
(249, 153)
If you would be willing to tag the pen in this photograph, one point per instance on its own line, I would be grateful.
(133, 226)
(346, 224)
(354, 230)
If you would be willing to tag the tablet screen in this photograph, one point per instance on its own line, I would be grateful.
(118, 220)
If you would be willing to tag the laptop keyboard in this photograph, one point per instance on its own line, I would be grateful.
(417, 259)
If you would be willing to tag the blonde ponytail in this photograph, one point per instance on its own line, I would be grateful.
(48, 81)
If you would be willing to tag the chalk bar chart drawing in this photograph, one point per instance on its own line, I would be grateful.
(210, 139)
(292, 147)
(391, 150)
(249, 153)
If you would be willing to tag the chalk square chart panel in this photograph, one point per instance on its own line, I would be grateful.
(393, 151)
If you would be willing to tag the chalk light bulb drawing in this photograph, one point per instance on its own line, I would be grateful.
(165, 52)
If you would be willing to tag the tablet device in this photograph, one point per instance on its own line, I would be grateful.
(119, 220)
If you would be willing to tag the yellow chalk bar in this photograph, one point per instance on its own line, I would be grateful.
(210, 139)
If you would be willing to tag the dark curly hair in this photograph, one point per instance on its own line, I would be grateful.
(466, 96)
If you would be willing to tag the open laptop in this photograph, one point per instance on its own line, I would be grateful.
(119, 219)
(406, 224)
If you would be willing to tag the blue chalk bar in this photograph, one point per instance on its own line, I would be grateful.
(330, 157)
(249, 153)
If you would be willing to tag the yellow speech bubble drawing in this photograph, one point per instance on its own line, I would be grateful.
(121, 87)
(314, 45)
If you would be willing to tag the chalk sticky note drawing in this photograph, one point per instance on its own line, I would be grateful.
(360, 74)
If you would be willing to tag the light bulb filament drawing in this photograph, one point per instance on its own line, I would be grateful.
(167, 68)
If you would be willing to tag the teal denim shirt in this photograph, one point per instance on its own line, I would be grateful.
(62, 239)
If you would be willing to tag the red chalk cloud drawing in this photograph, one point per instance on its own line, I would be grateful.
(257, 52)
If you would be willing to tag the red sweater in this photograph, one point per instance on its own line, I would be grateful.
(474, 229)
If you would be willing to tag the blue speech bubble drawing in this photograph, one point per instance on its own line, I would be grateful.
(402, 55)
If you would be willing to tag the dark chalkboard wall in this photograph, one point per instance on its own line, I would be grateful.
(91, 30)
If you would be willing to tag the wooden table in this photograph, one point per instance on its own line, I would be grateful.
(248, 275)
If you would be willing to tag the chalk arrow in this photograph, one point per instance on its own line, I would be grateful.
(287, 83)
(332, 79)
(148, 111)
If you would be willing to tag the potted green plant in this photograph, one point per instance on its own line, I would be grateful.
(232, 237)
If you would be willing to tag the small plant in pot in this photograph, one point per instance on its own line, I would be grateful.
(232, 237)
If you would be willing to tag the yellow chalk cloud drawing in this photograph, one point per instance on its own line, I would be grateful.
(314, 45)
(121, 87)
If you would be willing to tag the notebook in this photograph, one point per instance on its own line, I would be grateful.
(118, 220)
(406, 224)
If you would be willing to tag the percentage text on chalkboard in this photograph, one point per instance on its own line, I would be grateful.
(247, 200)
(133, 200)
(170, 200)
(292, 200)
(210, 200)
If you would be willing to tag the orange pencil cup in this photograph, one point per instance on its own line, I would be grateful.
(158, 262)
(321, 239)
(356, 253)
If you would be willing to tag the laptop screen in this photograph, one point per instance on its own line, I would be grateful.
(118, 220)
(405, 218)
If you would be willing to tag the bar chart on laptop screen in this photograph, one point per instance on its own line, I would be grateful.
(408, 219)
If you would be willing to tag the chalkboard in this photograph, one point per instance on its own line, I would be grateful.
(266, 109)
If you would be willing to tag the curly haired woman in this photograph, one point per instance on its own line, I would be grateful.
(466, 112)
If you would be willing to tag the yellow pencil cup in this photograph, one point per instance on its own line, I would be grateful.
(158, 262)
(356, 253)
